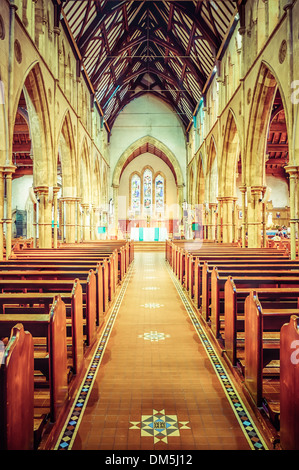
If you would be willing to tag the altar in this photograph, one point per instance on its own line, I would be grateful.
(149, 234)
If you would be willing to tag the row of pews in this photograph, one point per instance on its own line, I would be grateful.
(53, 303)
(248, 299)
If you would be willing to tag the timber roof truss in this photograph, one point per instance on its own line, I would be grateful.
(132, 47)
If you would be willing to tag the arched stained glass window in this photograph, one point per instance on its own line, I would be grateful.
(147, 190)
(159, 193)
(135, 193)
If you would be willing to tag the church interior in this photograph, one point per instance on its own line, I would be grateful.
(149, 217)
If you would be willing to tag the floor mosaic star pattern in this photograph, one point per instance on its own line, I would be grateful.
(150, 288)
(154, 336)
(152, 305)
(159, 426)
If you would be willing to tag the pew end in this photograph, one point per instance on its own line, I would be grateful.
(289, 385)
(17, 396)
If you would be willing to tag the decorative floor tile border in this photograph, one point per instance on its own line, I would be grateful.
(72, 423)
(247, 425)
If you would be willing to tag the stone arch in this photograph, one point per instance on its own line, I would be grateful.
(200, 182)
(39, 125)
(85, 174)
(259, 120)
(96, 182)
(191, 186)
(212, 172)
(230, 157)
(67, 150)
(264, 94)
(170, 158)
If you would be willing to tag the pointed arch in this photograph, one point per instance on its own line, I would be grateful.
(230, 157)
(67, 151)
(212, 172)
(162, 151)
(259, 120)
(44, 167)
(200, 182)
(85, 174)
(96, 182)
(191, 186)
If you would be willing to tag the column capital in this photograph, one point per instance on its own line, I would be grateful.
(68, 198)
(257, 189)
(229, 198)
(41, 189)
(292, 170)
(8, 169)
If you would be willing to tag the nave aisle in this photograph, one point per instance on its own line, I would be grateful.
(155, 381)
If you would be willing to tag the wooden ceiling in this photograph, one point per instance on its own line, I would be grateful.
(166, 48)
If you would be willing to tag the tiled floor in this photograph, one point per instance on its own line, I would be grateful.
(155, 382)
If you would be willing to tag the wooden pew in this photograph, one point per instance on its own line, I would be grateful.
(64, 272)
(289, 385)
(17, 392)
(101, 268)
(223, 259)
(234, 314)
(52, 361)
(204, 269)
(116, 260)
(69, 288)
(262, 345)
(40, 303)
(251, 279)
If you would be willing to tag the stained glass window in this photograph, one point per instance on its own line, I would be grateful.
(159, 193)
(135, 193)
(147, 190)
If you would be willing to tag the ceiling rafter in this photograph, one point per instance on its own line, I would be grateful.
(166, 48)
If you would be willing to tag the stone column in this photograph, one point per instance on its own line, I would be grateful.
(235, 221)
(243, 191)
(228, 223)
(293, 172)
(61, 219)
(115, 215)
(92, 222)
(55, 216)
(70, 220)
(213, 209)
(1, 214)
(44, 217)
(180, 196)
(8, 170)
(254, 217)
(220, 219)
(86, 224)
(264, 220)
(79, 224)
